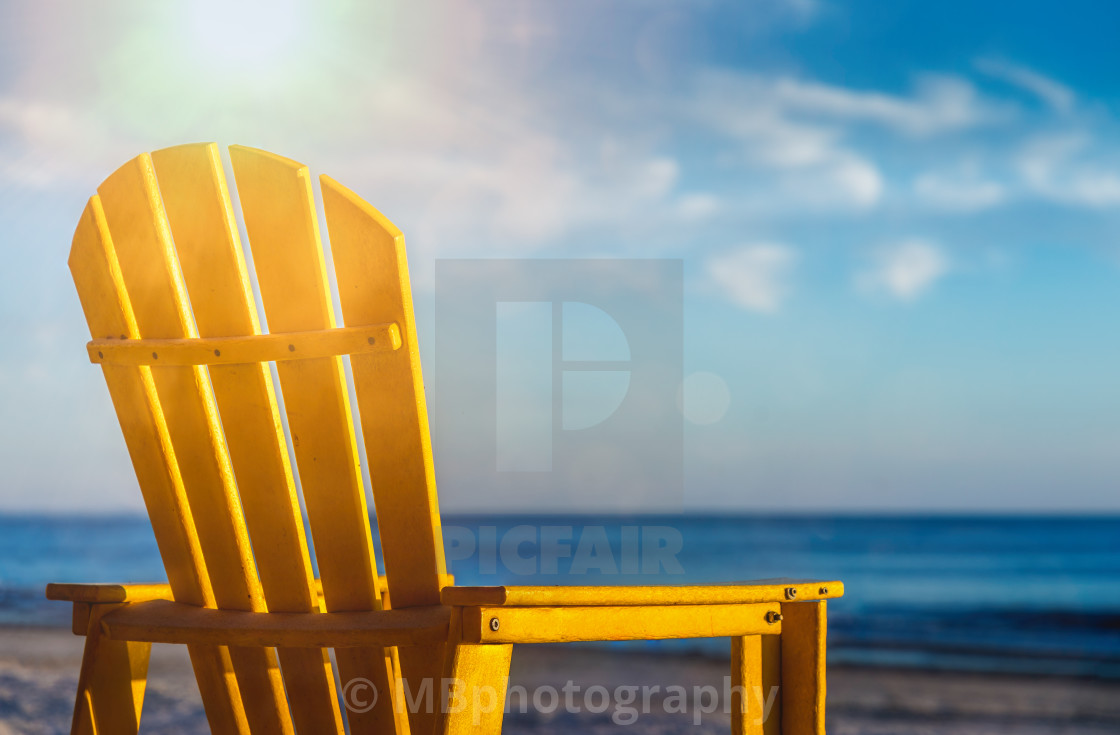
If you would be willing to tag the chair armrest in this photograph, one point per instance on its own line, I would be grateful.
(765, 590)
(108, 593)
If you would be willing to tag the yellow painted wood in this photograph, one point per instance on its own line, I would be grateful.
(108, 592)
(641, 622)
(804, 629)
(151, 277)
(238, 350)
(108, 310)
(372, 270)
(771, 677)
(148, 264)
(163, 621)
(111, 683)
(559, 595)
(199, 212)
(96, 273)
(79, 617)
(94, 592)
(756, 685)
(474, 686)
(279, 214)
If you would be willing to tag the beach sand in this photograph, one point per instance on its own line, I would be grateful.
(39, 669)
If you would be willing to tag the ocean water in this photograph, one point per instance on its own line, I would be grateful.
(1009, 594)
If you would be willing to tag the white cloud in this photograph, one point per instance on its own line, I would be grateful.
(855, 178)
(905, 271)
(697, 206)
(806, 162)
(1066, 168)
(959, 193)
(939, 104)
(755, 276)
(796, 131)
(1052, 92)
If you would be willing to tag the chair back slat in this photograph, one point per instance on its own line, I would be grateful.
(97, 276)
(150, 271)
(282, 226)
(196, 199)
(373, 285)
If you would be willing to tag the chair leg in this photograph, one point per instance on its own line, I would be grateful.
(474, 686)
(476, 690)
(111, 683)
(804, 628)
(756, 685)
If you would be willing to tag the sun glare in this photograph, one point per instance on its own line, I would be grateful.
(246, 36)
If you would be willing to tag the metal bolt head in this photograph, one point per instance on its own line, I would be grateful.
(791, 593)
(823, 591)
(494, 624)
(773, 616)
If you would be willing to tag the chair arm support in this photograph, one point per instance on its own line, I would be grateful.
(766, 590)
(163, 621)
(504, 624)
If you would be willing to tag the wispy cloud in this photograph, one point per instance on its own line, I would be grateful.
(756, 277)
(803, 132)
(1067, 168)
(939, 104)
(957, 192)
(807, 162)
(1052, 92)
(904, 271)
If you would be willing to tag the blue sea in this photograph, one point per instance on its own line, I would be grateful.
(1002, 594)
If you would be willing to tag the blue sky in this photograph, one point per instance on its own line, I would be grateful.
(898, 221)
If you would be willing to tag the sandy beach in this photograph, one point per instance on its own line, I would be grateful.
(39, 668)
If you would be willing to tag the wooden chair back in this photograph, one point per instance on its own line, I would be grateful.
(164, 283)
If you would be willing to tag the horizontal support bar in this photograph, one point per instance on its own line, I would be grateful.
(248, 349)
(103, 593)
(161, 621)
(767, 590)
(629, 623)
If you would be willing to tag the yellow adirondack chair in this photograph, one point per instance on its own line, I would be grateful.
(165, 289)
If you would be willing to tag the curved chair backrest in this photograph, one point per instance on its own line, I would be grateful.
(163, 281)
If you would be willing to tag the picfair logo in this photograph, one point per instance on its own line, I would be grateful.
(557, 382)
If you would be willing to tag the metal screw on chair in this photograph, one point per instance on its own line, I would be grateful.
(773, 616)
(823, 591)
(371, 340)
(791, 593)
(494, 624)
